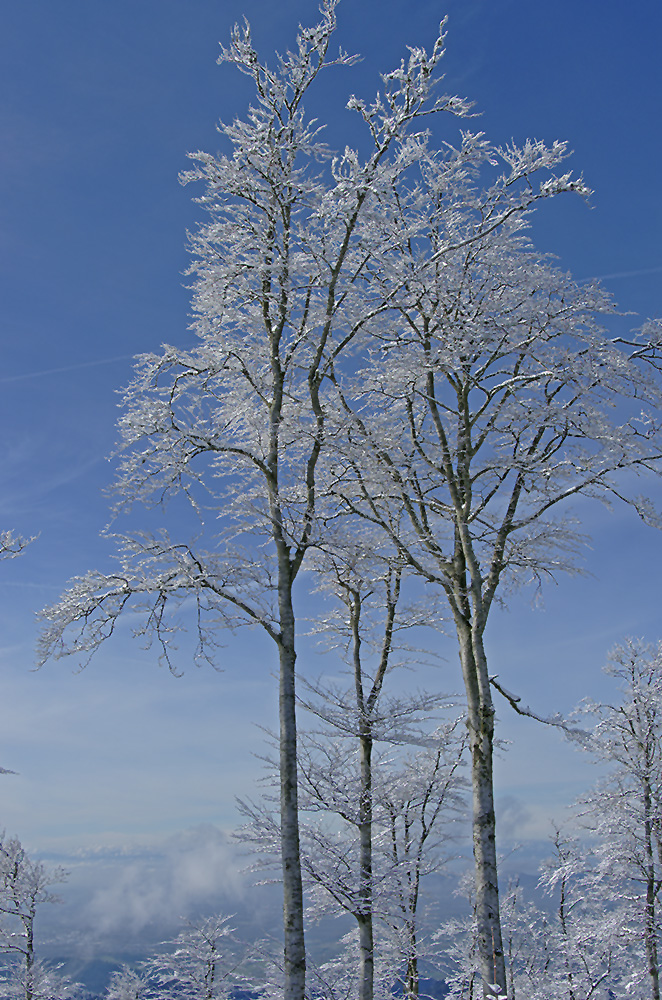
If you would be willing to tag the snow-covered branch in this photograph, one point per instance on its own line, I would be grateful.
(557, 719)
(12, 545)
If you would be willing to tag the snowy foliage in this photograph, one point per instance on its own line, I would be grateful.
(24, 887)
(199, 964)
(624, 811)
(40, 981)
(130, 984)
(571, 949)
(12, 545)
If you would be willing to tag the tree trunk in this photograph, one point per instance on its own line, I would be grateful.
(480, 722)
(650, 929)
(365, 922)
(28, 923)
(564, 931)
(294, 948)
(411, 989)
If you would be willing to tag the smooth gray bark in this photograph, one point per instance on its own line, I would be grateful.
(364, 915)
(652, 889)
(366, 706)
(480, 723)
(294, 945)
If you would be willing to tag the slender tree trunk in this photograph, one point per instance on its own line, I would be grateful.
(210, 975)
(365, 922)
(650, 930)
(480, 722)
(28, 923)
(366, 957)
(411, 977)
(564, 931)
(294, 947)
(412, 983)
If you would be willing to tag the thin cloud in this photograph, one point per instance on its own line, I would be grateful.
(67, 368)
(625, 274)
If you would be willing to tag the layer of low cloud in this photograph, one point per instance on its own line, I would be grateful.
(130, 899)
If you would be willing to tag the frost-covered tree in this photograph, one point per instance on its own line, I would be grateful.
(378, 781)
(570, 949)
(338, 773)
(624, 811)
(383, 297)
(24, 888)
(490, 400)
(199, 964)
(422, 805)
(339, 978)
(237, 423)
(584, 945)
(42, 981)
(131, 984)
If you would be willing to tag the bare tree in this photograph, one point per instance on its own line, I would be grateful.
(423, 803)
(490, 401)
(238, 424)
(372, 807)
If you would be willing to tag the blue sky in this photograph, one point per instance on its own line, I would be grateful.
(100, 103)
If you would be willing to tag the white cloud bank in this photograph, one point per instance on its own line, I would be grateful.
(132, 898)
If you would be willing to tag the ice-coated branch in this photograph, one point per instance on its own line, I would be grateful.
(515, 702)
(12, 545)
(157, 578)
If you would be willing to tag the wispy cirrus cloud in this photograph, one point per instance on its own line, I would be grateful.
(65, 368)
(641, 272)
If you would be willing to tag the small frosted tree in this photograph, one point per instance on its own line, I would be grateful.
(570, 949)
(42, 981)
(199, 964)
(24, 888)
(585, 948)
(131, 984)
(338, 771)
(422, 804)
(624, 811)
(379, 780)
